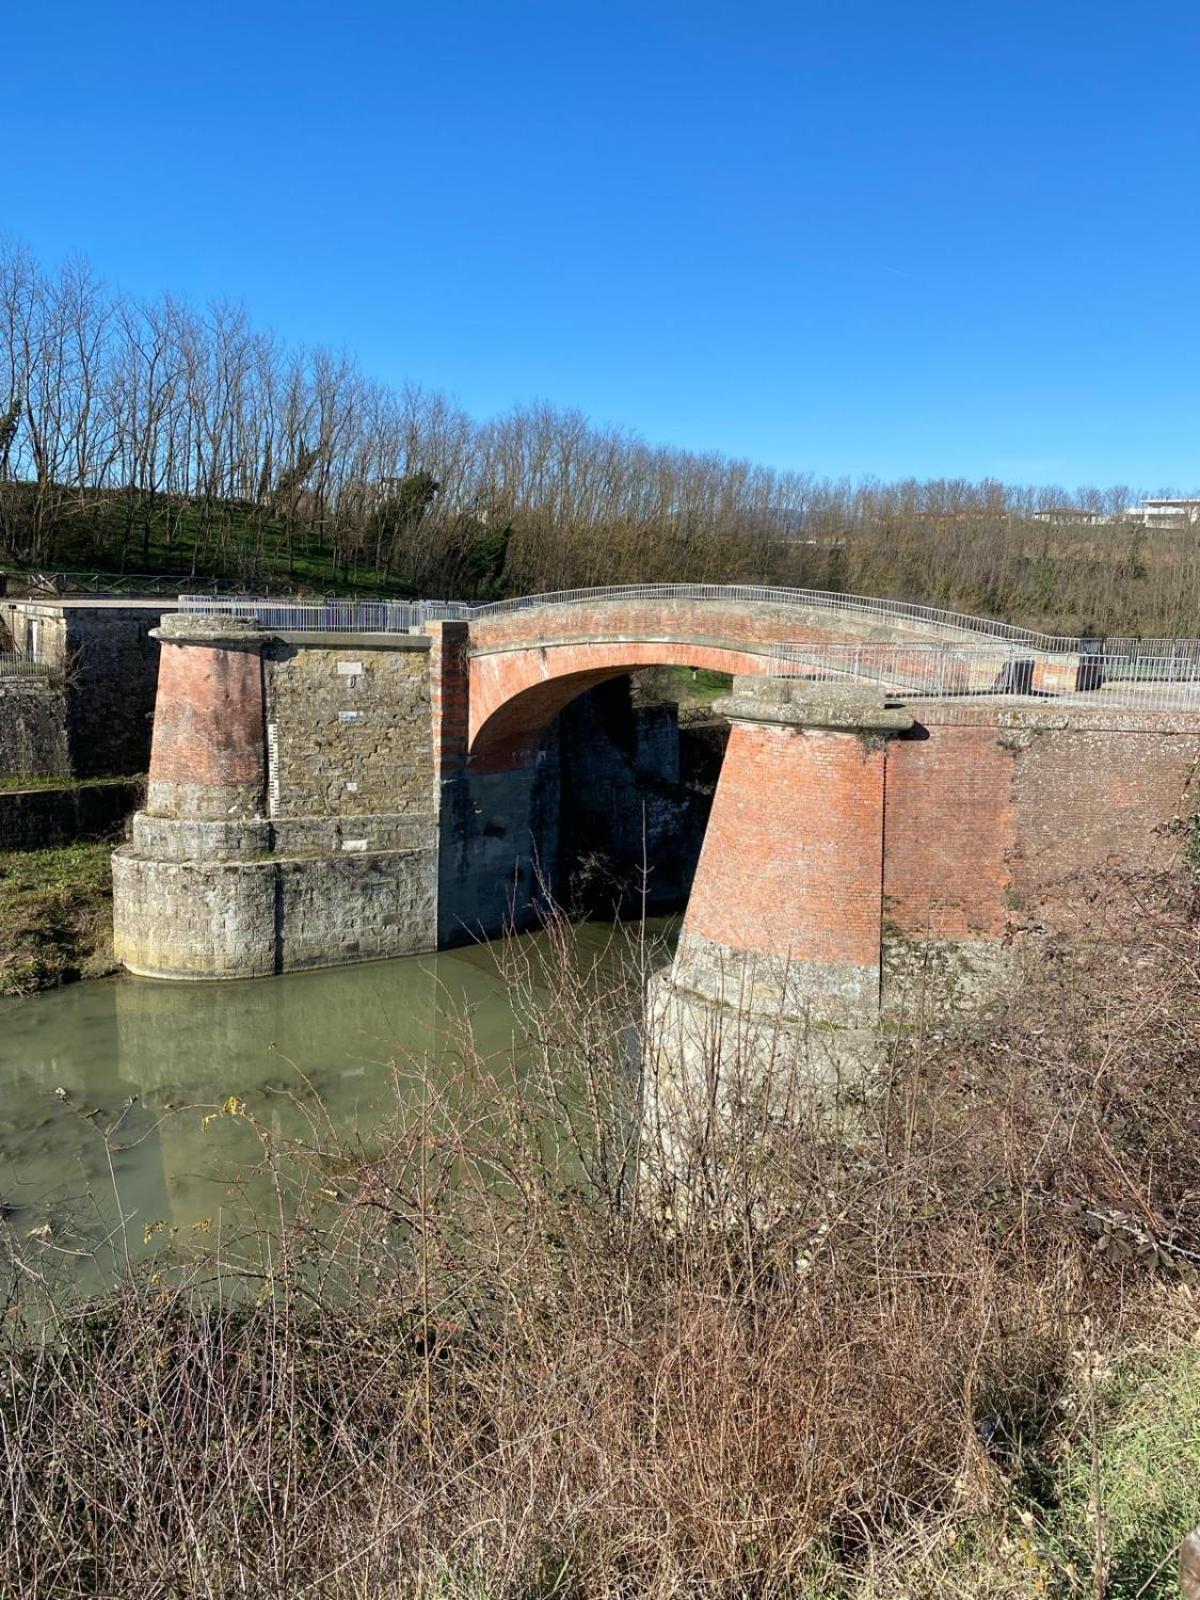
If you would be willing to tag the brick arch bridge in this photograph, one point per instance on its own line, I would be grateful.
(325, 790)
(508, 671)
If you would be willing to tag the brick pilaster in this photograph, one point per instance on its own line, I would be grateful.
(449, 692)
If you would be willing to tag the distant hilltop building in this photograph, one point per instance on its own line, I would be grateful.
(1151, 513)
(1166, 513)
(1078, 515)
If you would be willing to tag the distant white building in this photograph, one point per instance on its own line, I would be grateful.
(1181, 513)
(1077, 515)
(1154, 513)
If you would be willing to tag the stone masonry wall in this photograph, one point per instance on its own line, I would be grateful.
(1089, 798)
(636, 794)
(498, 846)
(40, 819)
(33, 738)
(112, 673)
(349, 730)
(109, 664)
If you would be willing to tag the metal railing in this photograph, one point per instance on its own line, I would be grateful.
(327, 616)
(115, 585)
(388, 616)
(987, 657)
(1126, 677)
(13, 665)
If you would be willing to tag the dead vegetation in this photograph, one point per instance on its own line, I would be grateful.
(948, 1349)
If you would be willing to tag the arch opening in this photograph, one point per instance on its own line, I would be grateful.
(590, 791)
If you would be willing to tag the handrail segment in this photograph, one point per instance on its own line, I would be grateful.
(400, 616)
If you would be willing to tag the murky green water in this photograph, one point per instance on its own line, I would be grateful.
(105, 1086)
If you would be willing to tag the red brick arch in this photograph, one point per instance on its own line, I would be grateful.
(526, 665)
(513, 696)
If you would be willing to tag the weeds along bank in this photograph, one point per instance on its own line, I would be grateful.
(945, 1348)
(55, 916)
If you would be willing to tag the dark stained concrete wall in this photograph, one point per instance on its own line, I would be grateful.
(108, 665)
(33, 735)
(41, 819)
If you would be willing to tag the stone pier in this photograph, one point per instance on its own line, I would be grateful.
(290, 818)
(779, 960)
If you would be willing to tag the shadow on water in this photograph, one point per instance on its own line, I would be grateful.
(152, 1060)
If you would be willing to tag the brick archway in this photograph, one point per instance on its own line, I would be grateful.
(515, 695)
(521, 668)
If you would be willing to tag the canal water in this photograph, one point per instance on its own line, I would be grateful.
(107, 1088)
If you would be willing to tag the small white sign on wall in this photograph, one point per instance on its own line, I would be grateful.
(350, 669)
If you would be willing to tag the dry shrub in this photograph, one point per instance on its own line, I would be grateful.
(489, 1356)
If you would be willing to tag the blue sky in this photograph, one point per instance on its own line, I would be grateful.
(850, 237)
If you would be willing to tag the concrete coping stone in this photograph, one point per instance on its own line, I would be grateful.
(234, 632)
(802, 703)
(185, 627)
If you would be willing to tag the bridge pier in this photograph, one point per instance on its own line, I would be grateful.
(190, 894)
(291, 815)
(776, 978)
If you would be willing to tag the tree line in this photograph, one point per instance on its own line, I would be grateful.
(138, 434)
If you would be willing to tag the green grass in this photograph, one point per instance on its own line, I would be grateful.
(55, 916)
(21, 785)
(1130, 1477)
(100, 531)
(701, 687)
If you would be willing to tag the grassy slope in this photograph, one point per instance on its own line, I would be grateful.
(97, 531)
(55, 916)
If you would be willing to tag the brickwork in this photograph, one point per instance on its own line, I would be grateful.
(951, 832)
(208, 755)
(448, 695)
(792, 863)
(515, 695)
(526, 665)
(779, 958)
(986, 823)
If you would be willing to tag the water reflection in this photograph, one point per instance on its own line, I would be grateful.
(150, 1060)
